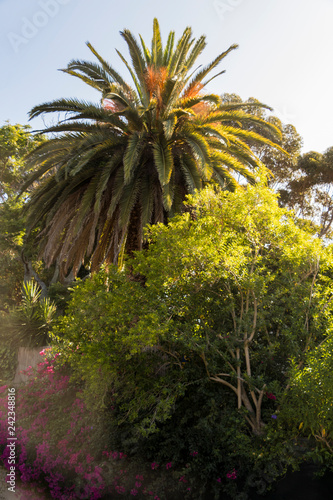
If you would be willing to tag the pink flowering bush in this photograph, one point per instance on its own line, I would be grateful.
(56, 444)
(52, 435)
(232, 474)
(270, 395)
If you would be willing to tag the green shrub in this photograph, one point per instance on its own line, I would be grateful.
(202, 344)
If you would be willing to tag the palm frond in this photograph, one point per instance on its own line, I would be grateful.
(204, 72)
(225, 179)
(168, 49)
(220, 158)
(199, 145)
(156, 45)
(147, 197)
(190, 102)
(190, 172)
(168, 196)
(131, 157)
(241, 105)
(169, 126)
(137, 61)
(195, 52)
(146, 52)
(247, 135)
(213, 77)
(244, 118)
(104, 179)
(134, 78)
(180, 52)
(128, 200)
(163, 160)
(107, 68)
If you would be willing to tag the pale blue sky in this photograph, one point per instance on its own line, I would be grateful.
(284, 57)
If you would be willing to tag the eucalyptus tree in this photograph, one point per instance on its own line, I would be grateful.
(15, 142)
(283, 166)
(110, 168)
(310, 193)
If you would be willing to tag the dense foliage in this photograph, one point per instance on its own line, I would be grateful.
(60, 446)
(309, 190)
(18, 321)
(200, 349)
(15, 142)
(308, 403)
(24, 325)
(198, 357)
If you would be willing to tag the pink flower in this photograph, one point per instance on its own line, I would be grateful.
(120, 489)
(232, 474)
(154, 465)
(89, 458)
(194, 453)
(270, 395)
(218, 479)
(134, 492)
(168, 465)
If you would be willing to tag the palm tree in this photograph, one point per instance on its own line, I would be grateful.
(111, 168)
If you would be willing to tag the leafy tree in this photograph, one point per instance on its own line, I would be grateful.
(16, 142)
(199, 357)
(130, 160)
(309, 191)
(307, 406)
(228, 298)
(283, 166)
(303, 182)
(232, 275)
(11, 242)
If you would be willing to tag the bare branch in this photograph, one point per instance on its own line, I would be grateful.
(255, 305)
(224, 382)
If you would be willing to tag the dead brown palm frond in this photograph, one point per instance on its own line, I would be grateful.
(193, 90)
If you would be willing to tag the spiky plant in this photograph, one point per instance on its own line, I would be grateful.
(130, 160)
(28, 324)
